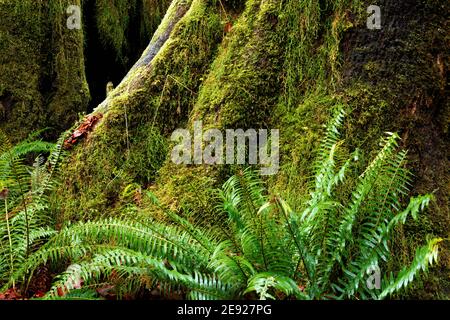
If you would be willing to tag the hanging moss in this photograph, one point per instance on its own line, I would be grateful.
(115, 18)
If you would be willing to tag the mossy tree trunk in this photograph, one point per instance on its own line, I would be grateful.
(42, 80)
(284, 64)
(45, 66)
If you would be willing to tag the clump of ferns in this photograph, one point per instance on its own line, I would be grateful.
(265, 249)
(25, 221)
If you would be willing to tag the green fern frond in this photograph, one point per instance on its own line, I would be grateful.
(324, 251)
(425, 256)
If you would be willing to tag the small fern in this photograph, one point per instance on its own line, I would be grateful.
(25, 222)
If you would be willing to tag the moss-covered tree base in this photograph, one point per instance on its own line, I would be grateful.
(287, 65)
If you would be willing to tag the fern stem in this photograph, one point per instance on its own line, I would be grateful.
(397, 169)
(10, 242)
(236, 247)
(27, 224)
(294, 237)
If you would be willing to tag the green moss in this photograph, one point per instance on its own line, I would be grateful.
(138, 116)
(70, 92)
(147, 152)
(153, 12)
(234, 94)
(398, 88)
(43, 79)
(114, 19)
(311, 74)
(42, 67)
(171, 13)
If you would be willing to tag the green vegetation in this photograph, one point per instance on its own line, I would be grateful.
(126, 218)
(264, 249)
(113, 20)
(27, 219)
(42, 66)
